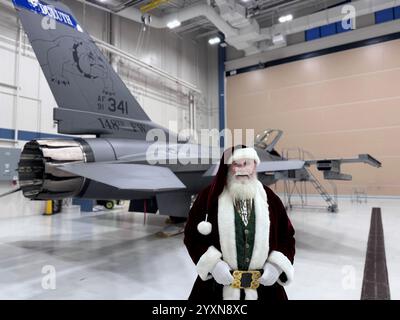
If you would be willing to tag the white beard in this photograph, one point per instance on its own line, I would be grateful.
(241, 190)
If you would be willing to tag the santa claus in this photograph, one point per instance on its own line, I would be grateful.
(239, 235)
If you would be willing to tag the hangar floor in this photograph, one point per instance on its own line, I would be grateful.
(114, 255)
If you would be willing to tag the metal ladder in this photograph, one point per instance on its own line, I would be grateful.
(291, 186)
(331, 201)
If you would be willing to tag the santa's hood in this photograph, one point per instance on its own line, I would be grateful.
(219, 182)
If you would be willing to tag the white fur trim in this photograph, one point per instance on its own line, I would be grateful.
(244, 153)
(204, 228)
(227, 236)
(261, 238)
(251, 294)
(284, 263)
(229, 293)
(207, 262)
(226, 227)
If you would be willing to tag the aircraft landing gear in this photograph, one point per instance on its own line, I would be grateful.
(108, 204)
(333, 208)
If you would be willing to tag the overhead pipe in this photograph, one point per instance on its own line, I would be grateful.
(182, 15)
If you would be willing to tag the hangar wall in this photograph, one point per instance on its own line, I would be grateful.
(30, 109)
(336, 105)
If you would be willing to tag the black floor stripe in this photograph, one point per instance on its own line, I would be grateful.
(376, 282)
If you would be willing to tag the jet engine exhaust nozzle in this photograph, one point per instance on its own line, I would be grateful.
(39, 176)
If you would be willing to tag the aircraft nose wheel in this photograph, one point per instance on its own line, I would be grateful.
(109, 205)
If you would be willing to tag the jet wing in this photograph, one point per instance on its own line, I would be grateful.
(266, 166)
(279, 165)
(127, 176)
(331, 167)
(364, 158)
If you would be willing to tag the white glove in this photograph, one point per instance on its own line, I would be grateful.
(271, 274)
(221, 273)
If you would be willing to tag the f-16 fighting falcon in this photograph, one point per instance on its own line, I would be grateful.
(118, 163)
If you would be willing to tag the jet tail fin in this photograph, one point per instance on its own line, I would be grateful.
(79, 76)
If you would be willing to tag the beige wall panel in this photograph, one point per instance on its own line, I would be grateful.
(294, 98)
(364, 115)
(344, 117)
(246, 83)
(245, 105)
(391, 54)
(344, 144)
(377, 142)
(337, 105)
(351, 62)
(294, 74)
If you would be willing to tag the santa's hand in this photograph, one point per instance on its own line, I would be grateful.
(271, 274)
(222, 274)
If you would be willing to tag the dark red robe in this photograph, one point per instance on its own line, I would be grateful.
(281, 249)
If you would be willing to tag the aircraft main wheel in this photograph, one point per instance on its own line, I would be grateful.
(109, 205)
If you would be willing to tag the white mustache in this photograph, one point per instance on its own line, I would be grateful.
(242, 173)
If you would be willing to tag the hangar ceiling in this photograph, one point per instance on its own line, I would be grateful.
(266, 12)
(253, 26)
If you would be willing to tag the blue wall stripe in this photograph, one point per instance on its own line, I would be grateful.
(339, 27)
(384, 15)
(328, 30)
(313, 34)
(334, 28)
(24, 135)
(397, 12)
(6, 134)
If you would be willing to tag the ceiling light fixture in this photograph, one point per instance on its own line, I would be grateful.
(173, 24)
(214, 40)
(286, 18)
(278, 39)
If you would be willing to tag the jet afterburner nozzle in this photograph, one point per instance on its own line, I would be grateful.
(39, 177)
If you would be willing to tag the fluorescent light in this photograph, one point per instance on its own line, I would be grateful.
(286, 18)
(214, 40)
(173, 24)
(278, 39)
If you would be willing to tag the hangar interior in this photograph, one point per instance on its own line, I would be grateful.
(213, 65)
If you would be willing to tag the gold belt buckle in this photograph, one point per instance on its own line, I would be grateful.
(246, 279)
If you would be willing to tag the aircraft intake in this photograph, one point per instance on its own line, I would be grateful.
(39, 177)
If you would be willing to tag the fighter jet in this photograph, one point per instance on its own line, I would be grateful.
(120, 162)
